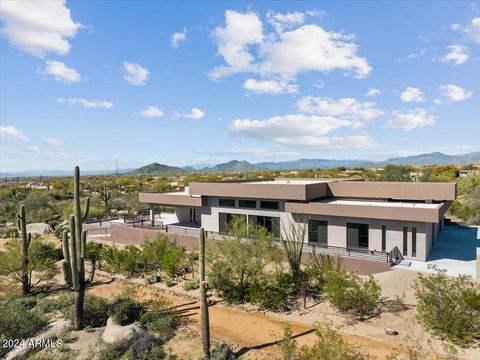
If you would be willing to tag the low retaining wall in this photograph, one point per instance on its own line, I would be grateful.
(136, 236)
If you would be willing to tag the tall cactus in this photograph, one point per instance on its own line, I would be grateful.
(205, 323)
(26, 238)
(105, 194)
(74, 252)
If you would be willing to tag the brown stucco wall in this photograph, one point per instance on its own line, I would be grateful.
(170, 199)
(136, 236)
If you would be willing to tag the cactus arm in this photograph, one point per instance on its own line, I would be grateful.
(86, 209)
(73, 252)
(84, 244)
(66, 265)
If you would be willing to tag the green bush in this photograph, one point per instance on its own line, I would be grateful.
(348, 292)
(18, 320)
(272, 293)
(95, 311)
(450, 307)
(125, 311)
(222, 352)
(144, 347)
(169, 281)
(52, 304)
(191, 284)
(160, 318)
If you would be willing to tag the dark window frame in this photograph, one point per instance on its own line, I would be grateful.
(414, 241)
(361, 237)
(226, 199)
(313, 225)
(247, 207)
(384, 238)
(263, 202)
(405, 241)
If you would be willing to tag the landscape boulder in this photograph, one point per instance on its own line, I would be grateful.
(391, 331)
(115, 333)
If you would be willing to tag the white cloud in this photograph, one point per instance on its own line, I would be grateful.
(194, 114)
(347, 108)
(38, 27)
(269, 86)
(458, 54)
(471, 30)
(410, 120)
(178, 37)
(455, 93)
(11, 132)
(372, 92)
(257, 152)
(52, 141)
(135, 74)
(300, 130)
(412, 94)
(285, 54)
(280, 22)
(34, 149)
(152, 112)
(60, 72)
(89, 104)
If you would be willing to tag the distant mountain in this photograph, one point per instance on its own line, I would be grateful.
(232, 166)
(313, 163)
(158, 169)
(434, 158)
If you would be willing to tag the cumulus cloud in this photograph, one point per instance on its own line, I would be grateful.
(269, 86)
(458, 54)
(412, 94)
(135, 74)
(89, 104)
(410, 120)
(455, 93)
(11, 132)
(372, 92)
(152, 112)
(194, 114)
(300, 130)
(471, 30)
(38, 27)
(348, 108)
(61, 72)
(178, 37)
(52, 141)
(285, 52)
(280, 21)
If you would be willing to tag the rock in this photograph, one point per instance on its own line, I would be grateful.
(390, 331)
(39, 228)
(115, 333)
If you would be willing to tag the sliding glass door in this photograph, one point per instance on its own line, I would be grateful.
(357, 236)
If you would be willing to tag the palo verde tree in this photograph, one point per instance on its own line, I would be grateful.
(203, 299)
(106, 195)
(74, 248)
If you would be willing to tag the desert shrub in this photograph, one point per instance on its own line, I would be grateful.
(348, 292)
(95, 311)
(329, 345)
(191, 284)
(317, 268)
(149, 279)
(125, 310)
(239, 261)
(161, 319)
(18, 320)
(173, 258)
(153, 252)
(21, 302)
(449, 307)
(222, 352)
(272, 292)
(169, 281)
(52, 304)
(141, 347)
(128, 260)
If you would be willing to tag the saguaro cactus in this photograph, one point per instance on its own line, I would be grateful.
(105, 194)
(26, 238)
(74, 252)
(205, 322)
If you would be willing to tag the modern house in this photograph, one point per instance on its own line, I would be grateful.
(365, 217)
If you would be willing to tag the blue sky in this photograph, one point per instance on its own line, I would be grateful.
(92, 83)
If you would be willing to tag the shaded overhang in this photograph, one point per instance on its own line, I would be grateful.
(417, 212)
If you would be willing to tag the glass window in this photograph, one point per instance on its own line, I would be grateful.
(384, 238)
(272, 205)
(272, 224)
(252, 204)
(318, 232)
(405, 240)
(226, 202)
(224, 220)
(414, 241)
(357, 236)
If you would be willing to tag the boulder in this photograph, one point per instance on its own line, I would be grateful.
(39, 228)
(391, 331)
(115, 333)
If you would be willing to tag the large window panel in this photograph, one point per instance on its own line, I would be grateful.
(224, 220)
(318, 232)
(357, 236)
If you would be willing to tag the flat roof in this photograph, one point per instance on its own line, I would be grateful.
(288, 182)
(399, 204)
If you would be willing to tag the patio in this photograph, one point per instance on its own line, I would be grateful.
(455, 251)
